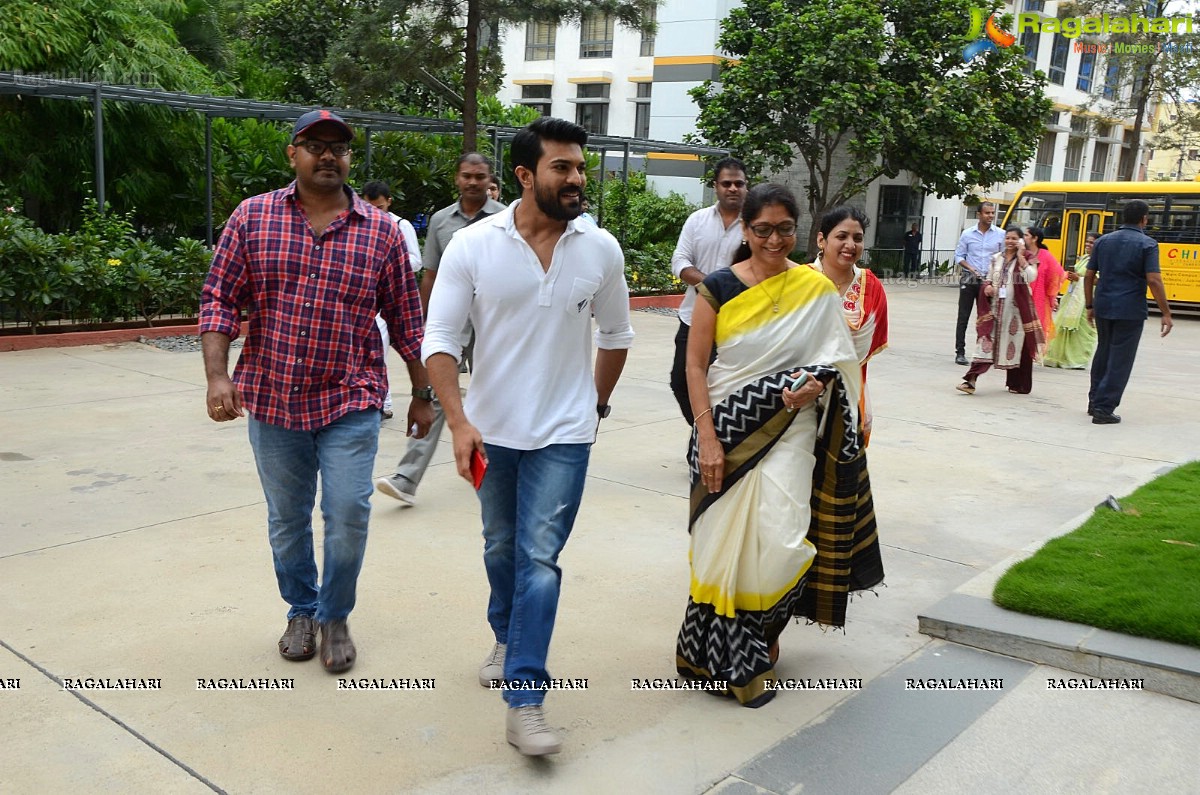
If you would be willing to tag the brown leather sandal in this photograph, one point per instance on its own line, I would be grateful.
(337, 649)
(299, 641)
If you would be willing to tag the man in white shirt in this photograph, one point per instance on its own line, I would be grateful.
(378, 194)
(530, 279)
(707, 243)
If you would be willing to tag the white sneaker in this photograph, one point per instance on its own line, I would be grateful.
(397, 487)
(492, 669)
(525, 727)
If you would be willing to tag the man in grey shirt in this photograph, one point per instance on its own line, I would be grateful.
(472, 179)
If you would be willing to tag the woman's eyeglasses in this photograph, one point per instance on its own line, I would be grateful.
(317, 148)
(785, 229)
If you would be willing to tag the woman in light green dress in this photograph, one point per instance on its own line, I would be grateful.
(1073, 346)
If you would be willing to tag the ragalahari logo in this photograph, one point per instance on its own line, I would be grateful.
(988, 36)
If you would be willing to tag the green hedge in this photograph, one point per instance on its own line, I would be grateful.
(100, 273)
(105, 271)
(648, 227)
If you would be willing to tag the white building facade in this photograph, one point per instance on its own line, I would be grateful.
(616, 81)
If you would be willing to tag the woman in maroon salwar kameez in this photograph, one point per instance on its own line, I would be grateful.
(1009, 334)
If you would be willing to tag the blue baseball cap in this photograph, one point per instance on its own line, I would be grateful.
(314, 117)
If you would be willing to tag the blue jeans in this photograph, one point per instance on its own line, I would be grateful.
(343, 452)
(529, 500)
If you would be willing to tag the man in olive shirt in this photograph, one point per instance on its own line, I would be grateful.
(472, 179)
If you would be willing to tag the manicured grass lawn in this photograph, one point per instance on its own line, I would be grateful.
(1135, 571)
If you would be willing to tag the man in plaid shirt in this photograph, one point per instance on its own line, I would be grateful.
(312, 264)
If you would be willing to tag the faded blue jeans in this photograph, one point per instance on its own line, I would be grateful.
(529, 500)
(343, 452)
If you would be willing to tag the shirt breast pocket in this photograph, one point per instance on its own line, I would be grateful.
(582, 293)
(356, 278)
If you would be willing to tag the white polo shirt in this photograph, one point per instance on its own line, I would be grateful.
(707, 245)
(532, 383)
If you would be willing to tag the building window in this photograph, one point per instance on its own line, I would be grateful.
(1194, 154)
(1099, 161)
(1125, 163)
(1074, 160)
(1035, 5)
(1112, 79)
(537, 97)
(1058, 59)
(1043, 168)
(596, 35)
(1029, 44)
(648, 37)
(539, 41)
(1087, 68)
(591, 112)
(641, 115)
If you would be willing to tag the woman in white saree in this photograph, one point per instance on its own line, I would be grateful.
(781, 517)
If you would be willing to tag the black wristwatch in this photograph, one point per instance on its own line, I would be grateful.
(603, 409)
(424, 393)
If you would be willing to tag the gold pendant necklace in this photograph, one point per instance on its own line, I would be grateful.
(782, 286)
(841, 286)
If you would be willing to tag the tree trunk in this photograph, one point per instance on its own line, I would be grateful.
(1135, 140)
(471, 77)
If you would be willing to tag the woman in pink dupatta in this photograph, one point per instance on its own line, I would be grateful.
(1045, 287)
(1009, 332)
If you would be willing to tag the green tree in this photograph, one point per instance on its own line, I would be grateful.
(415, 56)
(857, 90)
(634, 13)
(1154, 67)
(150, 152)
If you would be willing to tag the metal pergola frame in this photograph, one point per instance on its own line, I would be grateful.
(16, 83)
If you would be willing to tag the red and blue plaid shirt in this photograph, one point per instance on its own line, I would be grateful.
(312, 352)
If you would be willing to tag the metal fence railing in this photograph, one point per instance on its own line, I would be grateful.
(932, 264)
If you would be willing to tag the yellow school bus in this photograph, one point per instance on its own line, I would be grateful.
(1068, 211)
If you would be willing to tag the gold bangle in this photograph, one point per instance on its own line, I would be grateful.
(701, 414)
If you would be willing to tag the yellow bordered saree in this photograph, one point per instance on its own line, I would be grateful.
(792, 531)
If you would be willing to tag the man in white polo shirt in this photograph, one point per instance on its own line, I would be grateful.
(530, 279)
(707, 243)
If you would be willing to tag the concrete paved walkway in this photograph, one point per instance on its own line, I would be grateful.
(132, 545)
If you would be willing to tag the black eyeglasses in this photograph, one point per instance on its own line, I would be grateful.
(317, 148)
(732, 183)
(784, 229)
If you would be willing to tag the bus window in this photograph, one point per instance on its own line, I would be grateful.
(1157, 224)
(1183, 221)
(1038, 209)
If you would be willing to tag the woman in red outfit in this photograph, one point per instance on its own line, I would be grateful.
(1050, 277)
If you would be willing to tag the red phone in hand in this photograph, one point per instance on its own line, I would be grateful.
(478, 467)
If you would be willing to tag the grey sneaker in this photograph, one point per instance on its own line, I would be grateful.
(493, 667)
(525, 727)
(397, 487)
